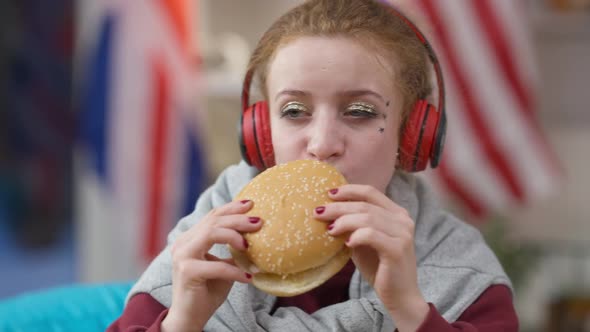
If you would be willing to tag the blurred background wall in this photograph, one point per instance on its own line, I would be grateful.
(37, 132)
(51, 232)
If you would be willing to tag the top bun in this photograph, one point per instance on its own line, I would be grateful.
(291, 242)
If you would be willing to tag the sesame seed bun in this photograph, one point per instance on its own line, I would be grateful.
(292, 253)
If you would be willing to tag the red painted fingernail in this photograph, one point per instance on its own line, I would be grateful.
(245, 201)
(333, 191)
(246, 243)
(320, 209)
(248, 275)
(330, 226)
(253, 220)
(347, 241)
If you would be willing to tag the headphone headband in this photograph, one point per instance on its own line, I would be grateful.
(246, 89)
(431, 55)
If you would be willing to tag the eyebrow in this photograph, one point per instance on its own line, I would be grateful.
(358, 93)
(350, 93)
(298, 93)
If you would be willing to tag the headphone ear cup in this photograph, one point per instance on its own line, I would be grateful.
(439, 139)
(255, 138)
(263, 134)
(419, 137)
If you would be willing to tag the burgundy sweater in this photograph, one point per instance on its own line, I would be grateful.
(493, 311)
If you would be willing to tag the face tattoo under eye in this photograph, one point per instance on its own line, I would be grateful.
(293, 109)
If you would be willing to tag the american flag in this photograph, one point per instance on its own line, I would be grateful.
(496, 156)
(140, 166)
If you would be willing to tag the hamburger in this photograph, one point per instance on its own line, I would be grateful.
(292, 252)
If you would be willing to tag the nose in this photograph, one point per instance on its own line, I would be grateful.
(325, 140)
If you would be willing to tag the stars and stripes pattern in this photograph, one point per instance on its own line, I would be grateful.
(496, 156)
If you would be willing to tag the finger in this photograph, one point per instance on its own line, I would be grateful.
(206, 270)
(352, 222)
(200, 245)
(234, 207)
(333, 211)
(239, 222)
(366, 193)
(231, 208)
(379, 218)
(214, 258)
(388, 247)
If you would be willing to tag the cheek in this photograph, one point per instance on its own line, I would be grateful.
(284, 144)
(381, 141)
(382, 148)
(372, 162)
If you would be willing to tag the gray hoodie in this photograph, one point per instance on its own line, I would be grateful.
(454, 267)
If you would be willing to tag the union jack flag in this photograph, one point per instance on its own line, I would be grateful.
(140, 166)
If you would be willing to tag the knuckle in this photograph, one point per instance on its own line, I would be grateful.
(206, 228)
(396, 255)
(174, 249)
(407, 244)
(214, 211)
(409, 224)
(399, 250)
(406, 220)
(367, 189)
(364, 207)
(368, 233)
(404, 212)
(177, 258)
(181, 267)
(365, 218)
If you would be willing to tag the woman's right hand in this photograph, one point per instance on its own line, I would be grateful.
(201, 281)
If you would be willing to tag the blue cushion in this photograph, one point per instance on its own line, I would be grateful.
(89, 308)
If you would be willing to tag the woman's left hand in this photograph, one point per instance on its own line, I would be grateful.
(381, 236)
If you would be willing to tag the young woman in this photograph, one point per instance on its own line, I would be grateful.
(345, 82)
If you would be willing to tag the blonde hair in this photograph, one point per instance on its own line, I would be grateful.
(365, 21)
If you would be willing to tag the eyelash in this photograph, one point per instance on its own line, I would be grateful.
(288, 109)
(363, 110)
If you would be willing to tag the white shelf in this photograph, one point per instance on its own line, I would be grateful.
(222, 85)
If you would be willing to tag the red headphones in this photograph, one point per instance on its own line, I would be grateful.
(422, 137)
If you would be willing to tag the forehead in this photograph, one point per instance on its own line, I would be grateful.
(329, 64)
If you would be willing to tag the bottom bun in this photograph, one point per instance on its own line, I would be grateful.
(294, 283)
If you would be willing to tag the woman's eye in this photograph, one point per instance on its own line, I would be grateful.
(293, 110)
(361, 110)
(361, 114)
(291, 113)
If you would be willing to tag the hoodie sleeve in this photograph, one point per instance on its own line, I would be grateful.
(493, 311)
(157, 278)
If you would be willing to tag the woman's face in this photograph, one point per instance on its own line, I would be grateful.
(331, 99)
